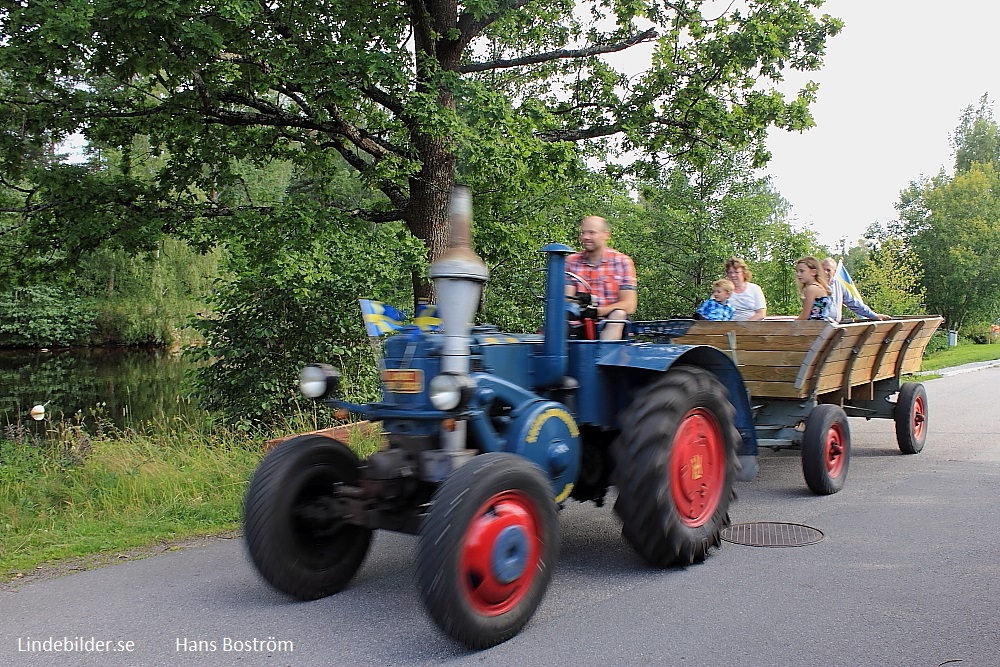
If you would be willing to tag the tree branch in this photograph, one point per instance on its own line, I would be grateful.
(469, 28)
(560, 54)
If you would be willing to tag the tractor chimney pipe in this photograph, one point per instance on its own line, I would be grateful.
(458, 281)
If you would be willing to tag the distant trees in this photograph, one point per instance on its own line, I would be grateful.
(694, 217)
(951, 223)
(889, 276)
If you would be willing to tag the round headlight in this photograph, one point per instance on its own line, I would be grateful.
(445, 392)
(317, 380)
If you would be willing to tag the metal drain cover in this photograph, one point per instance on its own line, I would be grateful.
(771, 534)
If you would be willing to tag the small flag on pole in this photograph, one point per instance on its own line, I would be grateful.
(426, 318)
(844, 278)
(380, 318)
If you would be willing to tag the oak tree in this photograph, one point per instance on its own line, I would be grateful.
(406, 93)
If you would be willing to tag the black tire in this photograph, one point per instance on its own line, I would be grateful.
(910, 414)
(494, 504)
(675, 466)
(291, 533)
(826, 449)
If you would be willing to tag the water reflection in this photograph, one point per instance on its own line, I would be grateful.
(126, 387)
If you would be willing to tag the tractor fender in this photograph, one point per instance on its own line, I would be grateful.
(541, 430)
(660, 358)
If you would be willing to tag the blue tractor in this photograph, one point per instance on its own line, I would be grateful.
(488, 434)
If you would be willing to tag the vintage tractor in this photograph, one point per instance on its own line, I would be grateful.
(487, 435)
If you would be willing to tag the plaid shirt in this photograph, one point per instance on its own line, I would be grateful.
(710, 309)
(615, 272)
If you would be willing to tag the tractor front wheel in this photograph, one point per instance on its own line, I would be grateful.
(675, 465)
(826, 449)
(293, 532)
(487, 548)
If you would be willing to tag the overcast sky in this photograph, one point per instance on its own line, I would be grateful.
(891, 91)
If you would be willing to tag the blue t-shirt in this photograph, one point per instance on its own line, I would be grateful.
(710, 309)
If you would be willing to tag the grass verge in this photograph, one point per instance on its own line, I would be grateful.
(78, 496)
(963, 353)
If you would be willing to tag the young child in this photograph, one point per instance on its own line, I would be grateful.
(717, 308)
(813, 289)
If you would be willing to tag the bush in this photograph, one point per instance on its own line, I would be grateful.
(978, 333)
(288, 304)
(938, 342)
(43, 316)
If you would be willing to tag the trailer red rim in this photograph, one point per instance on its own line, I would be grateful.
(499, 553)
(918, 422)
(833, 450)
(697, 469)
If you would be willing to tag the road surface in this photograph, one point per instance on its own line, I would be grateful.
(907, 575)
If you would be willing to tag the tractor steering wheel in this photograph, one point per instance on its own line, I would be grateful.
(586, 286)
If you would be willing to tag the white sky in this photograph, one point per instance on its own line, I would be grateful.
(891, 91)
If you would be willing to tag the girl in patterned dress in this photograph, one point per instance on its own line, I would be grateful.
(813, 288)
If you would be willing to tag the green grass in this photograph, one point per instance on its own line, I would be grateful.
(963, 353)
(79, 495)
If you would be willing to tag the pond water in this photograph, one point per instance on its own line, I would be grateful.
(123, 387)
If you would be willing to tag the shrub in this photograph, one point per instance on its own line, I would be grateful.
(938, 342)
(978, 333)
(43, 316)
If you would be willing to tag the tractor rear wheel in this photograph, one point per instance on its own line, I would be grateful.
(675, 465)
(910, 415)
(487, 548)
(293, 533)
(826, 449)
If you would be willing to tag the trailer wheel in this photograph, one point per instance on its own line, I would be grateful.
(487, 548)
(292, 531)
(910, 415)
(826, 449)
(675, 465)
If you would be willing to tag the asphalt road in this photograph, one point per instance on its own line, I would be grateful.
(907, 574)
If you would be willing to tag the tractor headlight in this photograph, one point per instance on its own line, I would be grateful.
(318, 380)
(450, 390)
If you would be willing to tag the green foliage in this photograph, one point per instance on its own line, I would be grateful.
(889, 278)
(178, 97)
(111, 297)
(296, 302)
(43, 316)
(937, 344)
(147, 298)
(282, 131)
(977, 137)
(952, 224)
(979, 333)
(692, 219)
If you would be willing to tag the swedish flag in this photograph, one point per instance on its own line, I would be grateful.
(426, 318)
(844, 279)
(380, 318)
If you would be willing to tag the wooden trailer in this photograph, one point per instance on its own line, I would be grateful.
(805, 378)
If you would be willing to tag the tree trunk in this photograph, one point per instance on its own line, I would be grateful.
(427, 213)
(430, 189)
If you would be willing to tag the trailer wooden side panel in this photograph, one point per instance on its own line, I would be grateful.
(797, 359)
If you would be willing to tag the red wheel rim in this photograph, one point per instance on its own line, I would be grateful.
(833, 450)
(697, 467)
(499, 553)
(919, 420)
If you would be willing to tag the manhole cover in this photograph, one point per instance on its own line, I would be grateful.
(771, 534)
